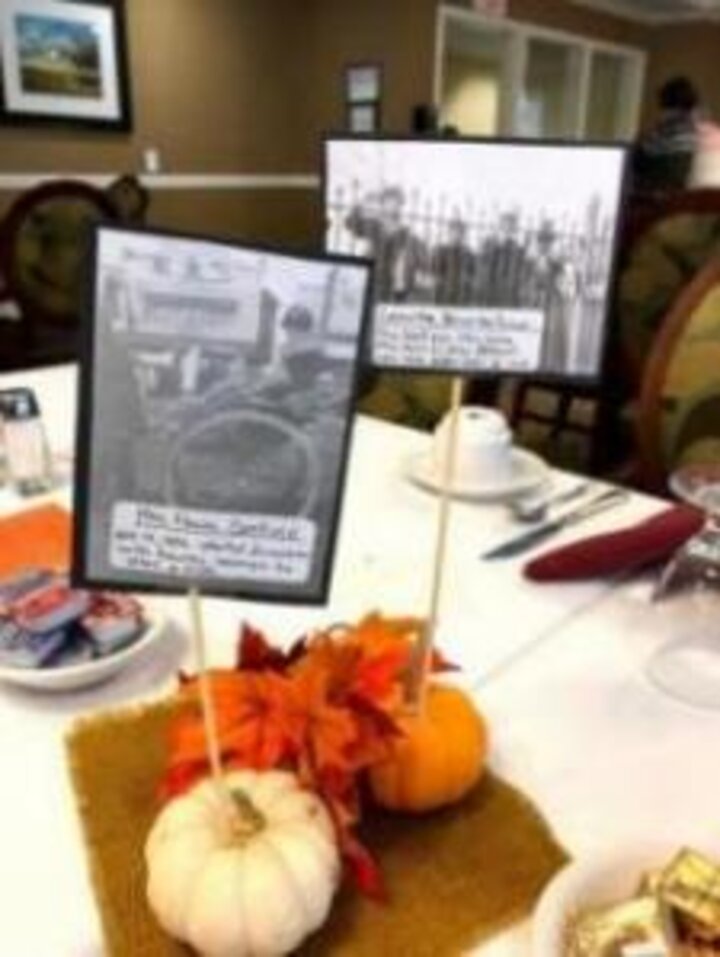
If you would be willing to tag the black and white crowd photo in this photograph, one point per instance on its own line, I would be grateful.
(513, 229)
(222, 389)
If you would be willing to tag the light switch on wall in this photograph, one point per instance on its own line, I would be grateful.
(152, 160)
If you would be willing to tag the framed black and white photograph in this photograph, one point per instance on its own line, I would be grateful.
(490, 256)
(217, 396)
(66, 62)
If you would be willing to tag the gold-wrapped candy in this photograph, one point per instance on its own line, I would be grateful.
(691, 885)
(608, 932)
(649, 883)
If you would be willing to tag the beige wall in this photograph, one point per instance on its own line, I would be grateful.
(692, 49)
(251, 85)
(218, 87)
(399, 35)
(561, 15)
(210, 81)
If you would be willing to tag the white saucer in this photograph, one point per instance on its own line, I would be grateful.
(75, 677)
(597, 881)
(528, 473)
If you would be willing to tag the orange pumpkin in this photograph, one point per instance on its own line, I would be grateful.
(440, 757)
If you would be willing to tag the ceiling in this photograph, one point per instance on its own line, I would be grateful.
(659, 11)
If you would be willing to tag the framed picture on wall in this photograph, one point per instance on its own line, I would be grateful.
(64, 62)
(363, 83)
(363, 97)
(363, 118)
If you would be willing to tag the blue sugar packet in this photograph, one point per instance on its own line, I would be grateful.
(20, 648)
(77, 650)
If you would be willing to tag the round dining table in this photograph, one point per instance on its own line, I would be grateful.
(556, 668)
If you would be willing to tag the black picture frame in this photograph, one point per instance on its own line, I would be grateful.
(359, 73)
(363, 119)
(82, 572)
(363, 95)
(120, 120)
(438, 139)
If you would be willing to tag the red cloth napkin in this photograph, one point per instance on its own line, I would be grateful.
(652, 540)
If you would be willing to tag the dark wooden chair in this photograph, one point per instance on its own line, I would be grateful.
(44, 258)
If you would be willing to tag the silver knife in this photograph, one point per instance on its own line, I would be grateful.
(523, 543)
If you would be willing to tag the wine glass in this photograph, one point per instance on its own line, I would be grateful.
(688, 666)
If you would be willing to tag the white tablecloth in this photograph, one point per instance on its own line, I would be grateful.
(555, 668)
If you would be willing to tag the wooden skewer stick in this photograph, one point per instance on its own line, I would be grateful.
(235, 804)
(422, 653)
(212, 738)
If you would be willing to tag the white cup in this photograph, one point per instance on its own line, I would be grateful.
(484, 446)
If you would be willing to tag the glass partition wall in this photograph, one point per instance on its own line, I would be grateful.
(498, 77)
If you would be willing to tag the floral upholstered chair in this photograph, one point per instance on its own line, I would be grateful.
(679, 411)
(668, 241)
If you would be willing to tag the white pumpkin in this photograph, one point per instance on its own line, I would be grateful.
(248, 878)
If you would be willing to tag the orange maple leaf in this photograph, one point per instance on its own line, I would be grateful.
(327, 729)
(254, 723)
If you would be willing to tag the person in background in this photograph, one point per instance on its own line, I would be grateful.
(663, 157)
(555, 291)
(397, 253)
(302, 349)
(455, 266)
(504, 264)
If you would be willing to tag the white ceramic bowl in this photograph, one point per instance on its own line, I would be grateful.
(75, 677)
(604, 880)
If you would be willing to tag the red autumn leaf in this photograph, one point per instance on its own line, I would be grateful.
(363, 869)
(325, 730)
(255, 653)
(378, 676)
(376, 730)
(180, 778)
(378, 634)
(253, 720)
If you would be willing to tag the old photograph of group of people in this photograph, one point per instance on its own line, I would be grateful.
(221, 391)
(502, 226)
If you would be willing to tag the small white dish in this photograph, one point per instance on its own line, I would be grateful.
(601, 881)
(87, 675)
(528, 473)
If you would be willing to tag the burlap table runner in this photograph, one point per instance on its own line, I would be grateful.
(455, 877)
